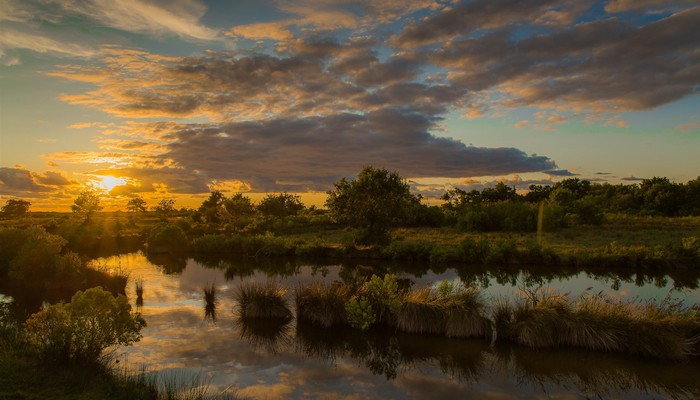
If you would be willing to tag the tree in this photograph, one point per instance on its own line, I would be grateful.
(165, 208)
(239, 206)
(136, 204)
(86, 204)
(500, 192)
(82, 329)
(280, 205)
(209, 208)
(15, 208)
(538, 193)
(376, 200)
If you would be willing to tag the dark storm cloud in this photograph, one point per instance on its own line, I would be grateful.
(312, 153)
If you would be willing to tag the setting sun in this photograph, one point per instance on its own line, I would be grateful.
(107, 183)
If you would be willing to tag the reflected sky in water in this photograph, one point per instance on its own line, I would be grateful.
(290, 361)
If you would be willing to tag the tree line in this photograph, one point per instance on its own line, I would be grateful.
(378, 200)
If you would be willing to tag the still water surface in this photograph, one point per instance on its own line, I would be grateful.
(270, 361)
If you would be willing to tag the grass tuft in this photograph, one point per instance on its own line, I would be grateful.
(323, 304)
(262, 300)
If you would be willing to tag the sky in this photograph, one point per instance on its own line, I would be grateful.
(172, 99)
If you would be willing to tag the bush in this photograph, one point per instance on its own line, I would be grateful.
(360, 314)
(82, 329)
(474, 251)
(407, 251)
(165, 237)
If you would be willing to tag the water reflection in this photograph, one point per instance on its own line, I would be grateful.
(267, 359)
(266, 335)
(210, 302)
(386, 353)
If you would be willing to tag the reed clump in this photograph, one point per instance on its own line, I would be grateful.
(450, 309)
(258, 300)
(597, 322)
(323, 304)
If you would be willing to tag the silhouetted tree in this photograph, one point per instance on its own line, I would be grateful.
(136, 204)
(86, 204)
(239, 205)
(538, 193)
(15, 208)
(280, 205)
(165, 209)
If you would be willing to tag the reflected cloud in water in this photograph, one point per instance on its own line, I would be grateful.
(266, 359)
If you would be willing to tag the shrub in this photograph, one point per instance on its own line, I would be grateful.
(408, 251)
(211, 244)
(502, 252)
(165, 237)
(360, 314)
(82, 329)
(383, 295)
(474, 251)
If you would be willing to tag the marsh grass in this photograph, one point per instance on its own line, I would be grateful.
(449, 309)
(258, 300)
(545, 318)
(323, 304)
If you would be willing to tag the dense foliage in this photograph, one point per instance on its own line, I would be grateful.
(82, 329)
(375, 201)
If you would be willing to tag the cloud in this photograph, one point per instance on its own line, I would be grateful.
(20, 38)
(319, 150)
(559, 172)
(19, 181)
(617, 6)
(631, 179)
(30, 24)
(599, 66)
(468, 17)
(54, 178)
(263, 30)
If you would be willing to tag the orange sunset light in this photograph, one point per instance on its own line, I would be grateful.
(107, 183)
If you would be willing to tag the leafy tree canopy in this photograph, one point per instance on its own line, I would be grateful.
(280, 205)
(86, 204)
(15, 208)
(376, 200)
(136, 204)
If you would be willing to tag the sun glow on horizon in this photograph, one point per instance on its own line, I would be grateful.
(107, 183)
